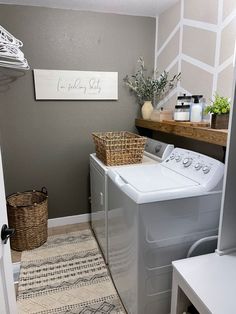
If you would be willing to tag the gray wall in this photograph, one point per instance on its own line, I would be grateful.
(48, 142)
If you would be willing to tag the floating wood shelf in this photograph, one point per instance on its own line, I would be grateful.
(185, 129)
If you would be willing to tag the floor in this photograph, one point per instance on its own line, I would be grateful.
(16, 256)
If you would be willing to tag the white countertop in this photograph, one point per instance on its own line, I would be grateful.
(213, 279)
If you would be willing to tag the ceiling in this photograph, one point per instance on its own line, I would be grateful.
(129, 7)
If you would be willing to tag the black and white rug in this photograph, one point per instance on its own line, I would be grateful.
(66, 275)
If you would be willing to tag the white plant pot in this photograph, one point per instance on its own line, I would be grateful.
(147, 110)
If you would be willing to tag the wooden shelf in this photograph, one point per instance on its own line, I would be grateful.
(185, 129)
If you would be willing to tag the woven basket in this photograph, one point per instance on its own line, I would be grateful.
(28, 215)
(119, 148)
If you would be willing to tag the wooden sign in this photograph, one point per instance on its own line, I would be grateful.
(75, 85)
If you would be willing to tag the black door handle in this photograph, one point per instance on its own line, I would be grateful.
(6, 233)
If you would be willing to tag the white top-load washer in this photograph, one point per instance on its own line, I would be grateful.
(155, 152)
(155, 213)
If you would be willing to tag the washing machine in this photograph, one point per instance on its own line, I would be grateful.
(155, 152)
(155, 213)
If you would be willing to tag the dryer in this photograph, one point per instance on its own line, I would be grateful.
(155, 152)
(156, 212)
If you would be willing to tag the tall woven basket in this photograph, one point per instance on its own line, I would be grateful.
(28, 215)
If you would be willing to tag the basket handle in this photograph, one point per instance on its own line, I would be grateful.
(44, 190)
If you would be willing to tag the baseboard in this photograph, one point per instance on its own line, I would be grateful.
(68, 220)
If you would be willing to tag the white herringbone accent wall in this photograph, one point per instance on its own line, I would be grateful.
(197, 38)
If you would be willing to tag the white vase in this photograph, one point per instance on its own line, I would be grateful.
(147, 110)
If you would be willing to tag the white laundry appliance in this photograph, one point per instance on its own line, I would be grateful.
(155, 152)
(156, 212)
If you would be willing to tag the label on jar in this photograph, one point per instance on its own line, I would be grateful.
(181, 116)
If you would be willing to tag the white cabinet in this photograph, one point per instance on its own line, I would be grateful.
(227, 234)
(209, 281)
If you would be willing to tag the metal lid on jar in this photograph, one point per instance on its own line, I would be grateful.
(182, 106)
(184, 97)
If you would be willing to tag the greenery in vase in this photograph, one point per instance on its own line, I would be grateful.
(220, 105)
(146, 87)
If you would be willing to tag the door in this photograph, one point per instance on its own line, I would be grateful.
(7, 291)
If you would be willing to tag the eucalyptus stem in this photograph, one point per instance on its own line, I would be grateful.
(148, 88)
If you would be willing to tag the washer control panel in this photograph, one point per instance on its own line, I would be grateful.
(157, 148)
(198, 167)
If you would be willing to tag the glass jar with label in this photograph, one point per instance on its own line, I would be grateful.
(182, 113)
(182, 108)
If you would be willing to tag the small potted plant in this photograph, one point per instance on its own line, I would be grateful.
(146, 88)
(219, 109)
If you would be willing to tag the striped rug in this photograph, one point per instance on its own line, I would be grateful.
(66, 275)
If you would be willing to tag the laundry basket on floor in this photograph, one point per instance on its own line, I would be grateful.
(28, 215)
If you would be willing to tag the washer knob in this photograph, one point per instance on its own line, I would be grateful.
(198, 166)
(206, 169)
(177, 158)
(187, 161)
(172, 156)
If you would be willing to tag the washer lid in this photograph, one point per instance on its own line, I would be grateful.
(152, 183)
(148, 159)
(153, 178)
